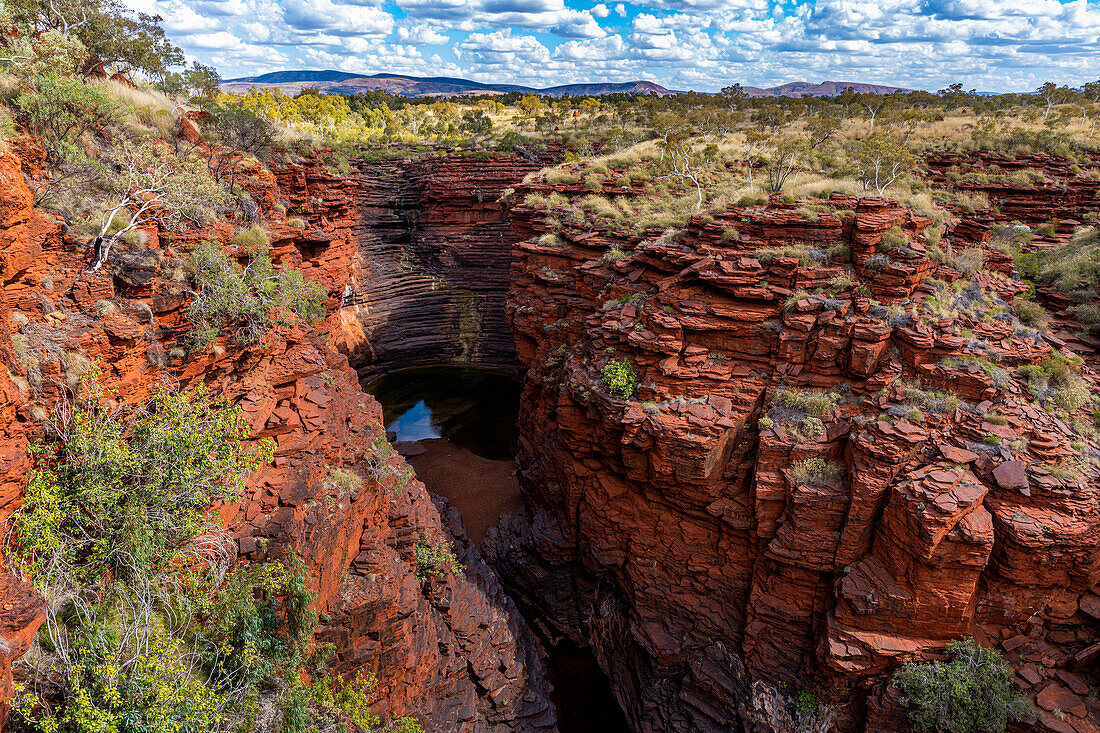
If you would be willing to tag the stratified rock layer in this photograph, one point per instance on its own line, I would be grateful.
(453, 652)
(685, 535)
(429, 278)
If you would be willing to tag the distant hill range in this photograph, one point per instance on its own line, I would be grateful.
(824, 89)
(341, 82)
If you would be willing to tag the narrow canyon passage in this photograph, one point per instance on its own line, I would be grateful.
(437, 353)
(457, 427)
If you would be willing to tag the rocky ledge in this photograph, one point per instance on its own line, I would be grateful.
(839, 455)
(453, 652)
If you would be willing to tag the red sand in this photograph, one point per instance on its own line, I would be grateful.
(482, 490)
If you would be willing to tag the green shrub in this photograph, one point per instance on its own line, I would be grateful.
(806, 704)
(296, 223)
(60, 109)
(257, 626)
(971, 693)
(436, 559)
(128, 488)
(816, 403)
(816, 471)
(251, 301)
(620, 378)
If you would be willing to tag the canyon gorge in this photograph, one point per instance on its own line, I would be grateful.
(814, 480)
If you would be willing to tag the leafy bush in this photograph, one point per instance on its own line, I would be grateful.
(620, 378)
(128, 488)
(436, 559)
(257, 626)
(816, 471)
(252, 300)
(115, 516)
(60, 109)
(971, 693)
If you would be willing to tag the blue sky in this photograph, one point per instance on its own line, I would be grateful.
(995, 45)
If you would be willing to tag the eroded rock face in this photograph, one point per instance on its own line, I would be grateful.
(700, 550)
(432, 262)
(453, 652)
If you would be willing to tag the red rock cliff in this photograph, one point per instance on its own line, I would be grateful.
(682, 533)
(433, 256)
(453, 652)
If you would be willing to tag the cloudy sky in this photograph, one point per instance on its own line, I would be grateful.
(994, 45)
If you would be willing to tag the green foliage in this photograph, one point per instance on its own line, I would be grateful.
(805, 703)
(619, 377)
(436, 559)
(60, 109)
(257, 626)
(153, 692)
(251, 301)
(110, 32)
(815, 471)
(816, 403)
(49, 52)
(971, 693)
(128, 487)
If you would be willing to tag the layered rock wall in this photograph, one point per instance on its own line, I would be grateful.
(709, 534)
(453, 652)
(434, 249)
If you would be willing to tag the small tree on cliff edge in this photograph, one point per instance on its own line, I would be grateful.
(878, 161)
(149, 184)
(971, 693)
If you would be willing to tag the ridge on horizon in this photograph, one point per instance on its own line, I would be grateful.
(343, 82)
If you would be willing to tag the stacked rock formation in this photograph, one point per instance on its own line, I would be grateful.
(828, 466)
(434, 248)
(454, 651)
